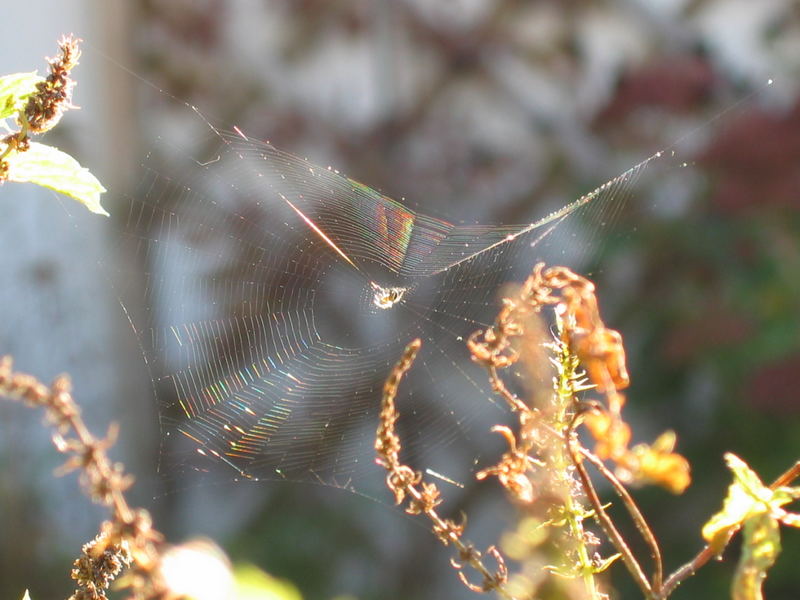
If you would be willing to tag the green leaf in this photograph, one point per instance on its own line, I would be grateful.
(760, 549)
(746, 496)
(14, 91)
(751, 482)
(254, 584)
(57, 170)
(757, 508)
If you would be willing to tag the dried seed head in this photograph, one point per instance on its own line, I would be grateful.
(53, 96)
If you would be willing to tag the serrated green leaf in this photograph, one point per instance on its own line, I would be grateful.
(760, 549)
(747, 478)
(57, 170)
(254, 584)
(735, 508)
(748, 499)
(746, 496)
(14, 91)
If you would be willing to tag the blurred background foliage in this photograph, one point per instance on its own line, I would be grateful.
(474, 110)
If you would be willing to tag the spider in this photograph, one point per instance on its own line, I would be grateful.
(386, 297)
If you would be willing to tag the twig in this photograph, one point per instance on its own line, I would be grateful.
(424, 497)
(605, 521)
(786, 477)
(685, 571)
(499, 387)
(636, 515)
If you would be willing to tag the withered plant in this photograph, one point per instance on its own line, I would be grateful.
(127, 539)
(545, 470)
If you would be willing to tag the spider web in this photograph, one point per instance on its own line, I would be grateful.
(262, 325)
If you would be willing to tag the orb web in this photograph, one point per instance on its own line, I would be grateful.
(277, 295)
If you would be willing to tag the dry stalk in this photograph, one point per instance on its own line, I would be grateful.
(537, 471)
(128, 538)
(546, 442)
(584, 340)
(424, 497)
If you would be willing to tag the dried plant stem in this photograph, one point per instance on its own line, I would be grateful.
(499, 387)
(466, 552)
(686, 571)
(424, 497)
(636, 515)
(129, 530)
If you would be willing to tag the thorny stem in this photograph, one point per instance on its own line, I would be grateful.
(584, 339)
(602, 516)
(565, 396)
(630, 504)
(707, 553)
(576, 529)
